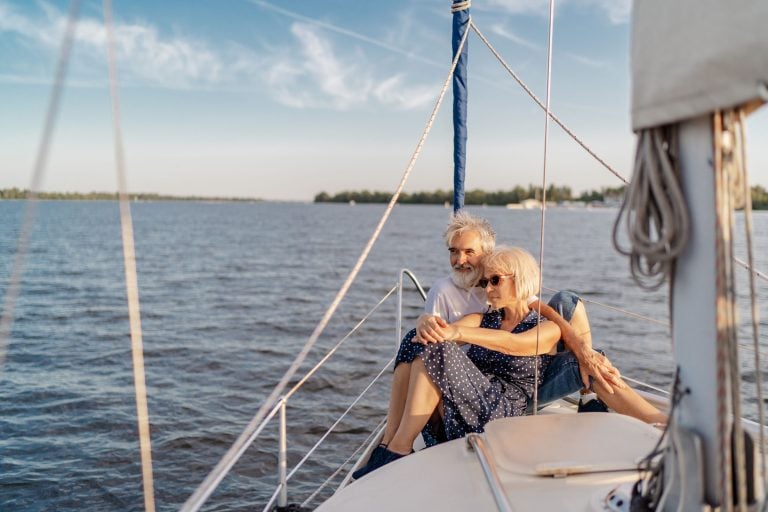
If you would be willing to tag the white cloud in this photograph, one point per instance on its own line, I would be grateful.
(316, 74)
(501, 31)
(393, 92)
(307, 71)
(594, 63)
(143, 55)
(617, 11)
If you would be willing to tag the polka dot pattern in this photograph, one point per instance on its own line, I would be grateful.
(479, 385)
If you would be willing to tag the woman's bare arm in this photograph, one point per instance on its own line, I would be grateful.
(514, 344)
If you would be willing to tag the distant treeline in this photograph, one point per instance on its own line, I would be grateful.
(499, 197)
(17, 193)
(516, 195)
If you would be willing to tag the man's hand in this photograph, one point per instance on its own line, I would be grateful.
(596, 365)
(431, 329)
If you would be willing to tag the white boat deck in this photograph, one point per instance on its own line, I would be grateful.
(602, 449)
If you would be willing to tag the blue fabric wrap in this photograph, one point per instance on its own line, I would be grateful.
(460, 25)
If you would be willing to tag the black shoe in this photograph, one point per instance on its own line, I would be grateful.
(384, 458)
(594, 405)
(376, 454)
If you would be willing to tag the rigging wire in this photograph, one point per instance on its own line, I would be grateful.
(336, 347)
(377, 430)
(536, 99)
(328, 432)
(755, 316)
(543, 204)
(41, 162)
(131, 277)
(201, 494)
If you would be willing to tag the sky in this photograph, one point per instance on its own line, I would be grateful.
(281, 100)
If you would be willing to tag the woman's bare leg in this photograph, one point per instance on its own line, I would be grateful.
(423, 397)
(397, 398)
(627, 401)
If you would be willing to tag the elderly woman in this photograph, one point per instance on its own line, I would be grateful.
(493, 379)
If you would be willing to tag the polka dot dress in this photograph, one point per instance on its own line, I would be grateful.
(479, 385)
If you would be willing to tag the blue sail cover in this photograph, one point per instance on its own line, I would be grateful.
(460, 25)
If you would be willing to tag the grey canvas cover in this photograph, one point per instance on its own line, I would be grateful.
(690, 57)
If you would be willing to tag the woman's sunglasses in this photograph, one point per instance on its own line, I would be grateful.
(494, 280)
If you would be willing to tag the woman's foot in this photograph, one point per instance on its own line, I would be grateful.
(382, 458)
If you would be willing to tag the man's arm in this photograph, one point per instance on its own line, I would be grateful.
(591, 362)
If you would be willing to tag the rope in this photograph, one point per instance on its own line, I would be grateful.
(723, 317)
(741, 137)
(205, 489)
(41, 161)
(131, 278)
(460, 6)
(733, 187)
(541, 105)
(543, 204)
(653, 210)
(376, 430)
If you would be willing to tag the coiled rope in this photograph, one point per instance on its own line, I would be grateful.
(654, 210)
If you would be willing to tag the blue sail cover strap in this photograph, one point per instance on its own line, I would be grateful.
(460, 25)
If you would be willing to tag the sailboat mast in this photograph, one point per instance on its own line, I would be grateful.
(698, 304)
(460, 9)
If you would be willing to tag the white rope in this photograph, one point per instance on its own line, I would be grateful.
(336, 347)
(210, 483)
(376, 430)
(41, 161)
(541, 105)
(755, 315)
(460, 6)
(131, 278)
(543, 204)
(653, 210)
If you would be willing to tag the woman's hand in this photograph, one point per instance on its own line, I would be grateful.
(593, 363)
(431, 329)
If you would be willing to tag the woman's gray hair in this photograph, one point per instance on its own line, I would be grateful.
(517, 262)
(463, 222)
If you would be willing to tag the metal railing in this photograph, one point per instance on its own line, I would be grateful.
(280, 494)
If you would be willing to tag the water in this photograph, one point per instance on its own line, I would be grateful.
(229, 293)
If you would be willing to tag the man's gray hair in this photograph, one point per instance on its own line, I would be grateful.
(463, 222)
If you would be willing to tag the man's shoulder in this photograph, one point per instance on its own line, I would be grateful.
(443, 282)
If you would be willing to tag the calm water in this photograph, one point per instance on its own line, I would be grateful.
(229, 293)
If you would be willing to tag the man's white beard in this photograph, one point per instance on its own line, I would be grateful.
(465, 280)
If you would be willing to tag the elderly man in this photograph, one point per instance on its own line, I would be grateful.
(455, 296)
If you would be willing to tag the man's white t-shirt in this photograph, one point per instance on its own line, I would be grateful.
(451, 303)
